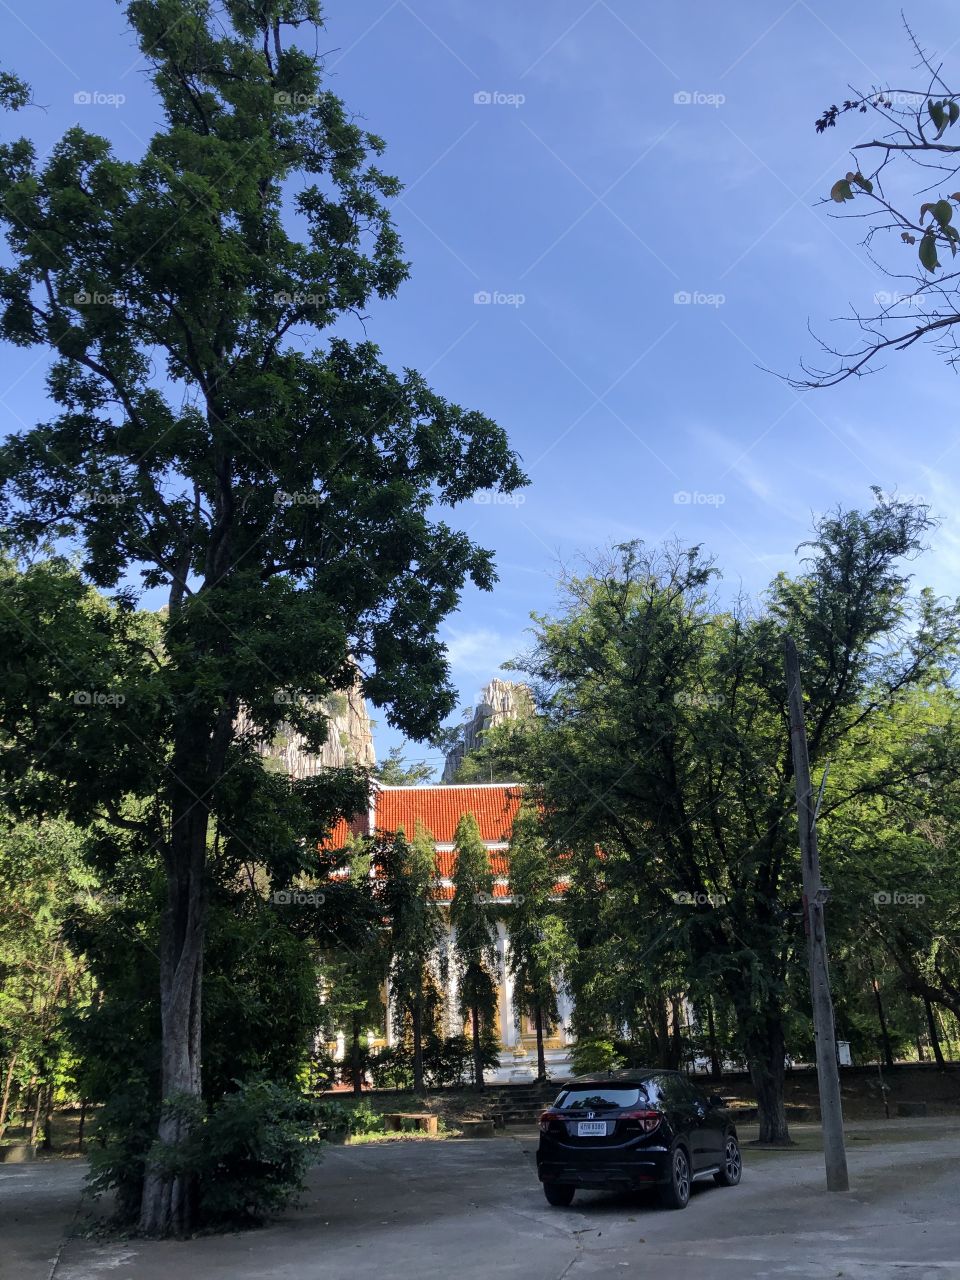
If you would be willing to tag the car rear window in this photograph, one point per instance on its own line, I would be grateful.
(599, 1097)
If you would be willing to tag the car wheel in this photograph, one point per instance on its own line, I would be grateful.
(676, 1193)
(728, 1175)
(558, 1194)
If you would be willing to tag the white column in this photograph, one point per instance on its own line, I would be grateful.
(507, 1023)
(389, 1014)
(454, 1021)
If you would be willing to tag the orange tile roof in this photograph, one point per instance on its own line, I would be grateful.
(439, 809)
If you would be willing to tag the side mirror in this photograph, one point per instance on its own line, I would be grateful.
(715, 1100)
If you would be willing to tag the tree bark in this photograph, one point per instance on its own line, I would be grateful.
(765, 1056)
(7, 1086)
(676, 1034)
(35, 1123)
(168, 1202)
(477, 1048)
(541, 1057)
(934, 1036)
(356, 1069)
(716, 1066)
(884, 1034)
(416, 1021)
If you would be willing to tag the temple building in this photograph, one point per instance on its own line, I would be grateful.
(438, 809)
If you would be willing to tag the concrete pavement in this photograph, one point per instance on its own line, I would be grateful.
(472, 1209)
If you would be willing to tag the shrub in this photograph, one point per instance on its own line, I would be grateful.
(446, 1062)
(126, 1131)
(594, 1054)
(363, 1119)
(392, 1068)
(251, 1153)
(247, 1154)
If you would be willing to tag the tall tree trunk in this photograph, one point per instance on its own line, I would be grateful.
(477, 1047)
(676, 1034)
(5, 1100)
(80, 1127)
(765, 1055)
(716, 1066)
(356, 1069)
(920, 1057)
(884, 1034)
(48, 1118)
(662, 1029)
(541, 1057)
(416, 1021)
(35, 1122)
(934, 1036)
(168, 1201)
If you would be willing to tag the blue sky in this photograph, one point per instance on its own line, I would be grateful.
(582, 196)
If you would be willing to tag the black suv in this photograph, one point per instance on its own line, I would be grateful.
(632, 1129)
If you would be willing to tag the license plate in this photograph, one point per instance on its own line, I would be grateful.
(591, 1129)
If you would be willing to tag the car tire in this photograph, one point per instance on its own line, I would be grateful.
(728, 1175)
(558, 1195)
(675, 1194)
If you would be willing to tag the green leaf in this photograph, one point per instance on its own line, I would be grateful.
(943, 212)
(863, 182)
(840, 191)
(928, 252)
(924, 210)
(953, 110)
(937, 115)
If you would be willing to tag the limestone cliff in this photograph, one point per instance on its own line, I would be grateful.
(349, 739)
(500, 700)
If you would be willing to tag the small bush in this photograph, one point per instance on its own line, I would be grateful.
(126, 1131)
(252, 1152)
(363, 1119)
(246, 1156)
(594, 1054)
(392, 1068)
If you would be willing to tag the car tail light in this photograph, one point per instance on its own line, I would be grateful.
(546, 1119)
(647, 1121)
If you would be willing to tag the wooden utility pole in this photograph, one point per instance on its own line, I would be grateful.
(814, 895)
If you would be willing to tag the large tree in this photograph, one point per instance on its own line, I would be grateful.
(663, 737)
(474, 939)
(539, 949)
(409, 870)
(280, 495)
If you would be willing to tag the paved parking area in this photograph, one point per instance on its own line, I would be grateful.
(472, 1209)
